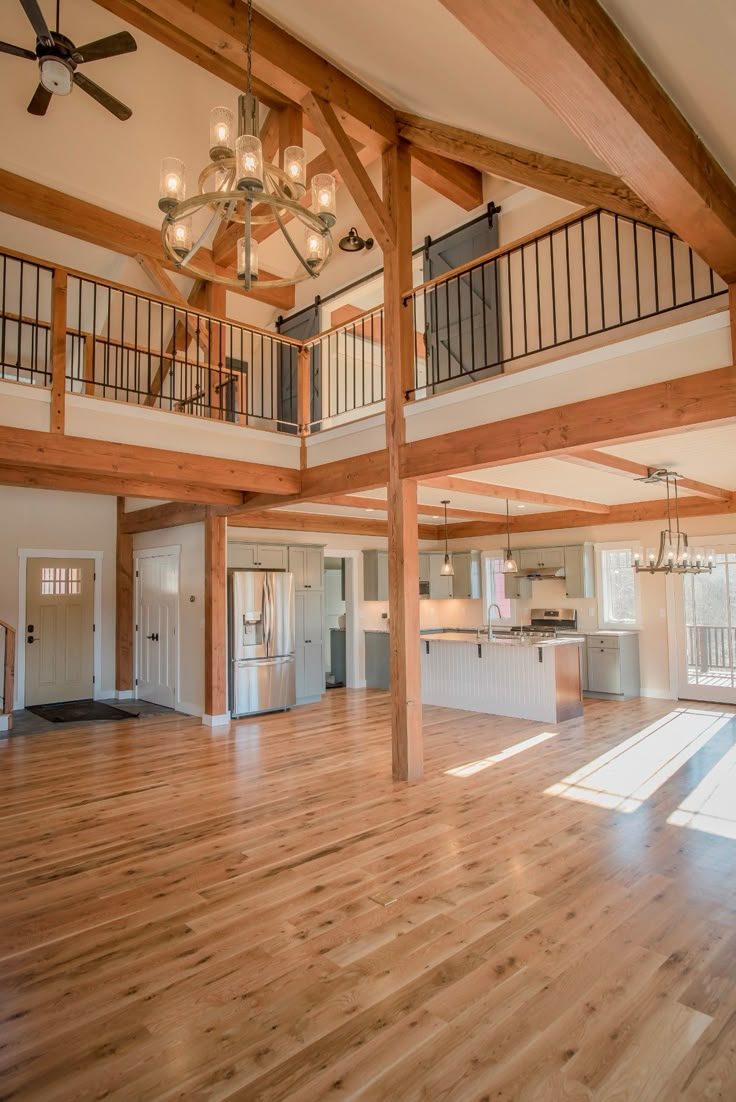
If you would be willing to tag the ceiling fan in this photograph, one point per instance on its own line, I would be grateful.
(58, 58)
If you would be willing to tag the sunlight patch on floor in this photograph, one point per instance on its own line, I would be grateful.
(624, 777)
(510, 751)
(711, 806)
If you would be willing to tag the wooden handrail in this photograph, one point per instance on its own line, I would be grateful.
(357, 320)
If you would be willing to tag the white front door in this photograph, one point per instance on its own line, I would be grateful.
(59, 639)
(157, 578)
(706, 643)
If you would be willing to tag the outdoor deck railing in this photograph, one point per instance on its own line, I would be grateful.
(711, 647)
(591, 273)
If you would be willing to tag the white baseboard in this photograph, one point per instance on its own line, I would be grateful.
(216, 721)
(123, 694)
(657, 694)
(188, 709)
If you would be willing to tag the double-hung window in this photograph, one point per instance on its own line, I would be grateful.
(618, 590)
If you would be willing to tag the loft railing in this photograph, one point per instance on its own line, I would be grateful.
(347, 370)
(592, 273)
(588, 274)
(7, 673)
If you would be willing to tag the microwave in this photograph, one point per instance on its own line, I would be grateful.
(424, 588)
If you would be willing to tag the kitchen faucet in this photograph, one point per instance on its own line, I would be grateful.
(498, 617)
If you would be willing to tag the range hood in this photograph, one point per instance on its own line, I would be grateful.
(542, 572)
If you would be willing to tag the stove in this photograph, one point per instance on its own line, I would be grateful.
(550, 622)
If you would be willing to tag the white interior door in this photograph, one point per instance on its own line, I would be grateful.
(706, 642)
(59, 639)
(157, 578)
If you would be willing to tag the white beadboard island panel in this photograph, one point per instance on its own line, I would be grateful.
(506, 680)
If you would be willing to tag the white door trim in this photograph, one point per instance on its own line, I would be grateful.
(24, 554)
(153, 553)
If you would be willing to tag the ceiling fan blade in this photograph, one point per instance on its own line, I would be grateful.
(17, 51)
(112, 46)
(104, 98)
(39, 24)
(40, 103)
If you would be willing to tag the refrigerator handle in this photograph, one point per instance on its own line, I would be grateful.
(267, 614)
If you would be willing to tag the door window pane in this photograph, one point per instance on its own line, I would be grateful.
(58, 581)
(710, 624)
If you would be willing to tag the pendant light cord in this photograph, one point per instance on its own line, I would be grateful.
(445, 505)
(508, 531)
(249, 48)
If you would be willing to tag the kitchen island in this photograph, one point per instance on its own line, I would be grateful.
(532, 678)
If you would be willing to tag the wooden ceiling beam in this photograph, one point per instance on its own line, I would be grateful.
(461, 183)
(338, 145)
(351, 501)
(170, 515)
(55, 210)
(565, 179)
(30, 449)
(531, 497)
(280, 61)
(629, 513)
(616, 464)
(658, 409)
(43, 478)
(316, 522)
(574, 57)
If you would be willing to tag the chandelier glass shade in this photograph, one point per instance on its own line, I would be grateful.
(674, 555)
(238, 187)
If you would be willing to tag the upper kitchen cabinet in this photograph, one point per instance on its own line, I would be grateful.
(375, 575)
(307, 566)
(257, 556)
(579, 571)
(466, 582)
(515, 587)
(531, 558)
(440, 585)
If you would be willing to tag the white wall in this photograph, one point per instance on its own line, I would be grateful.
(189, 538)
(53, 520)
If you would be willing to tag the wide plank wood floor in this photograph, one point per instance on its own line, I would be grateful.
(261, 913)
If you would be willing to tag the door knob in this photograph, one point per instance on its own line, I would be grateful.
(154, 636)
(32, 638)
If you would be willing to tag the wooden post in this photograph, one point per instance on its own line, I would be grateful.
(124, 612)
(732, 309)
(303, 391)
(290, 129)
(215, 576)
(403, 531)
(58, 350)
(89, 364)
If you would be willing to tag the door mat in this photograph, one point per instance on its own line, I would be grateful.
(78, 711)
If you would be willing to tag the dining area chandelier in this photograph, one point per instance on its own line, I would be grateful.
(674, 555)
(238, 187)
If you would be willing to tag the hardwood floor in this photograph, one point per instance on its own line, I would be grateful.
(260, 913)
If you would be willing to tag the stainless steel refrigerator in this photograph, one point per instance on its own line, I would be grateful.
(261, 641)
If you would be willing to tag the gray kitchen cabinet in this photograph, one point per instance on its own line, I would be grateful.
(375, 575)
(440, 585)
(338, 655)
(613, 664)
(529, 558)
(257, 556)
(423, 575)
(466, 582)
(307, 566)
(516, 588)
(377, 662)
(579, 571)
(308, 623)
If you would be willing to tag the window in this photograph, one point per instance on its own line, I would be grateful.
(494, 591)
(618, 593)
(61, 581)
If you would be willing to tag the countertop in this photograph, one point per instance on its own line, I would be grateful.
(508, 640)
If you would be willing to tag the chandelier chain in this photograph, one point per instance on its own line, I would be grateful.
(249, 48)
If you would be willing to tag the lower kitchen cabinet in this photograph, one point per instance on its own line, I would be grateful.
(613, 664)
(377, 648)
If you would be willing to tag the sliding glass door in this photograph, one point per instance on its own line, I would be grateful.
(707, 632)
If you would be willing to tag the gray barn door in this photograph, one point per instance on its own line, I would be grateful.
(462, 325)
(302, 326)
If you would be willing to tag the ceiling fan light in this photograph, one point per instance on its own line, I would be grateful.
(56, 75)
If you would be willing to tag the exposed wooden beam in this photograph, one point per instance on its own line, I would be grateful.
(124, 611)
(82, 482)
(44, 206)
(338, 145)
(291, 130)
(146, 18)
(654, 410)
(286, 521)
(616, 464)
(270, 134)
(532, 497)
(460, 183)
(351, 501)
(578, 62)
(565, 179)
(345, 476)
(281, 61)
(215, 643)
(28, 448)
(628, 513)
(170, 515)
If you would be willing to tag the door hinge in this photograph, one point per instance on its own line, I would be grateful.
(94, 627)
(94, 575)
(93, 679)
(136, 680)
(136, 627)
(136, 574)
